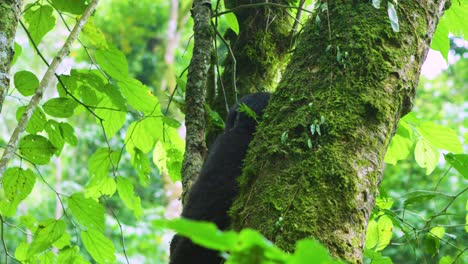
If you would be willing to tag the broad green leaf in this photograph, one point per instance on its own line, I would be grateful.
(47, 257)
(17, 185)
(21, 252)
(432, 241)
(94, 34)
(40, 22)
(215, 118)
(113, 62)
(71, 255)
(101, 161)
(128, 196)
(98, 246)
(37, 121)
(202, 233)
(252, 247)
(68, 134)
(440, 136)
(55, 135)
(36, 149)
(392, 14)
(87, 211)
(419, 197)
(98, 187)
(142, 134)
(308, 249)
(18, 51)
(459, 162)
(141, 163)
(384, 202)
(63, 241)
(76, 7)
(426, 156)
(170, 122)
(446, 260)
(377, 257)
(60, 107)
(372, 234)
(26, 82)
(385, 229)
(140, 97)
(466, 217)
(441, 41)
(232, 22)
(47, 233)
(113, 117)
(174, 163)
(399, 149)
(99, 165)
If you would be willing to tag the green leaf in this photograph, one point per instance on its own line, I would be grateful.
(94, 34)
(63, 241)
(372, 234)
(26, 82)
(60, 107)
(36, 149)
(376, 257)
(46, 234)
(141, 163)
(419, 197)
(112, 115)
(215, 118)
(441, 41)
(40, 22)
(202, 233)
(432, 241)
(87, 211)
(37, 122)
(127, 194)
(399, 149)
(99, 165)
(71, 255)
(392, 14)
(142, 134)
(68, 134)
(99, 247)
(21, 251)
(17, 185)
(140, 97)
(113, 62)
(76, 7)
(440, 136)
(459, 162)
(308, 249)
(426, 156)
(55, 135)
(232, 22)
(170, 122)
(18, 50)
(385, 229)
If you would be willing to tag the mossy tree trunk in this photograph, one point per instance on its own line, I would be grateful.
(354, 77)
(266, 35)
(9, 13)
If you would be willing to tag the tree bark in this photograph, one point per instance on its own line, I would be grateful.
(261, 51)
(9, 12)
(354, 78)
(195, 148)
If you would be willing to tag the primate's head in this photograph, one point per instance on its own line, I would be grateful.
(241, 120)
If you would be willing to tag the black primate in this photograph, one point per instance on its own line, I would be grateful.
(212, 194)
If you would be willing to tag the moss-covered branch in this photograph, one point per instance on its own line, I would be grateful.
(195, 149)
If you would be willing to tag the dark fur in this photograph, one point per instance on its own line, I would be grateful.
(213, 193)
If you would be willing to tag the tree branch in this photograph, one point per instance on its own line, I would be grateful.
(13, 142)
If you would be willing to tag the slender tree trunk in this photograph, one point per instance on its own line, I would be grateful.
(354, 78)
(195, 148)
(9, 12)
